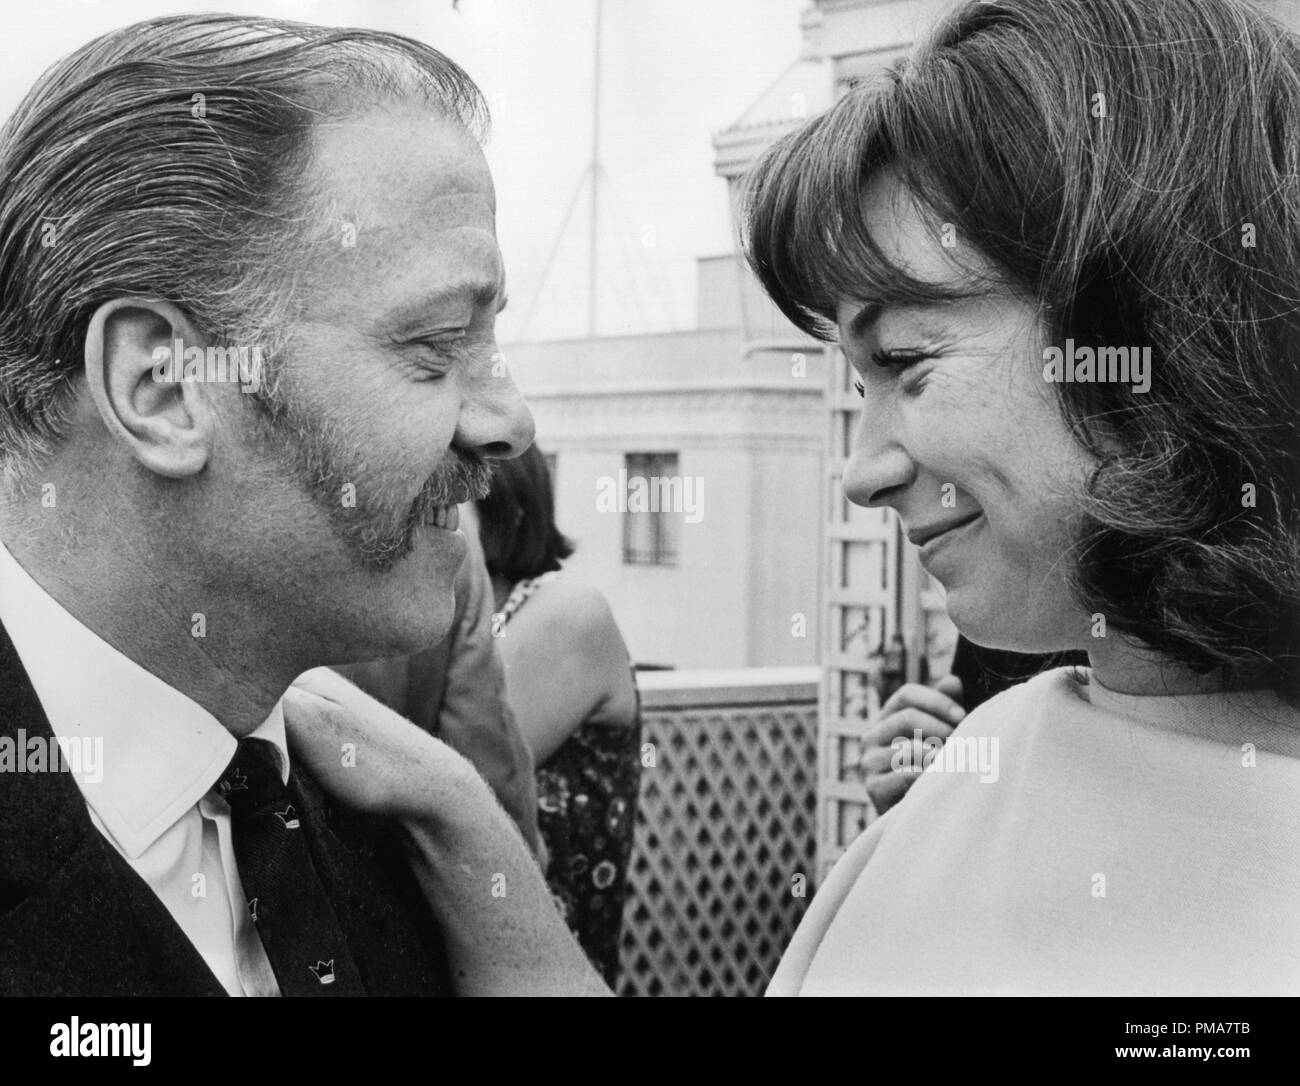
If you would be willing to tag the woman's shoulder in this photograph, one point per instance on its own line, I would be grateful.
(582, 606)
(580, 630)
(1023, 705)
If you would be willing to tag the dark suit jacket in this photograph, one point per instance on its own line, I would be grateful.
(75, 919)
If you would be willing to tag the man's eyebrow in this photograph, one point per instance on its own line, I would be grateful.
(481, 293)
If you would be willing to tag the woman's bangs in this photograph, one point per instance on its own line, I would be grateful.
(806, 236)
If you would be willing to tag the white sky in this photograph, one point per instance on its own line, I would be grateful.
(675, 72)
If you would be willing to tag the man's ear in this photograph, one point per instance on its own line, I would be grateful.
(135, 383)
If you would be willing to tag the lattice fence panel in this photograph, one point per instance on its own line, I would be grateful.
(727, 819)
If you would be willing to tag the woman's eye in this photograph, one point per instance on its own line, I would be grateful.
(898, 360)
(862, 392)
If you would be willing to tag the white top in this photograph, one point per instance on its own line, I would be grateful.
(161, 754)
(1096, 843)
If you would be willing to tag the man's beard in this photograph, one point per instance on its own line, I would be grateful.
(380, 528)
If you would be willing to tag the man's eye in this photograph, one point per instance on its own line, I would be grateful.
(898, 360)
(862, 392)
(445, 346)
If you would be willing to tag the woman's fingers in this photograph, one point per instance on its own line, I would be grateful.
(889, 771)
(912, 724)
(310, 724)
(928, 699)
(951, 686)
(325, 740)
(902, 754)
(886, 789)
(876, 760)
(906, 722)
(369, 757)
(327, 683)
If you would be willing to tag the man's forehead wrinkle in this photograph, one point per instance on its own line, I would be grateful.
(426, 143)
(441, 214)
(424, 306)
(364, 284)
(372, 185)
(367, 242)
(378, 198)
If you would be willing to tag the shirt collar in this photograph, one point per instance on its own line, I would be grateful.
(1230, 717)
(161, 751)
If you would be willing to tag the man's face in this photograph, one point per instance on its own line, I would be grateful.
(390, 394)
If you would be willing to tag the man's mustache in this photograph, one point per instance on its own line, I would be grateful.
(463, 477)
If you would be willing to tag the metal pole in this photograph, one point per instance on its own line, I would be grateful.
(593, 257)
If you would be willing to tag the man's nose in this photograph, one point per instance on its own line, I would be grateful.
(494, 421)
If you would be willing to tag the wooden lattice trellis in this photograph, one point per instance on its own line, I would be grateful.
(726, 821)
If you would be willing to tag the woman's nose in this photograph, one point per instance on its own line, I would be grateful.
(878, 466)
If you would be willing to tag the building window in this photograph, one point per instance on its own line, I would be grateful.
(649, 536)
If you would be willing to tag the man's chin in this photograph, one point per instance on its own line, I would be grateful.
(408, 606)
(422, 586)
(414, 626)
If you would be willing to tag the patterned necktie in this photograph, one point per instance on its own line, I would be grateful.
(301, 935)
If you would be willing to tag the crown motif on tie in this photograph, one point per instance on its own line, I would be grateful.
(323, 971)
(236, 782)
(289, 816)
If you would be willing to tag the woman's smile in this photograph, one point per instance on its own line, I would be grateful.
(933, 542)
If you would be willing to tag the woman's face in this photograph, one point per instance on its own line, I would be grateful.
(962, 437)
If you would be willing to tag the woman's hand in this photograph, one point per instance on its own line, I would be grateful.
(498, 921)
(372, 759)
(912, 708)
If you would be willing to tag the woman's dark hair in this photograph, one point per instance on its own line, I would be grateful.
(1135, 167)
(517, 520)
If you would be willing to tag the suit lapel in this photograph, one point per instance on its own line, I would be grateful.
(75, 919)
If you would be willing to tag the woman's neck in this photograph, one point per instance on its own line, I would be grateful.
(1126, 668)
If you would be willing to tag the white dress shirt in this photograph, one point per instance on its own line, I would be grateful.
(162, 753)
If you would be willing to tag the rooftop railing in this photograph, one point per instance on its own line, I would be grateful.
(725, 853)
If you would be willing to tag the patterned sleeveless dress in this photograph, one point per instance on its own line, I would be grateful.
(586, 811)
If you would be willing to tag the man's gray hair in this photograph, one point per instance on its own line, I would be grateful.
(168, 159)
